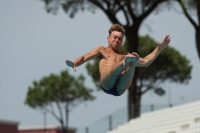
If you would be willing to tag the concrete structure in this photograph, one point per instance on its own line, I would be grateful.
(178, 119)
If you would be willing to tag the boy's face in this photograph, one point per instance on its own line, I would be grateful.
(115, 39)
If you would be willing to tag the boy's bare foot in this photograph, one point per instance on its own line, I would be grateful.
(70, 64)
(127, 60)
(134, 60)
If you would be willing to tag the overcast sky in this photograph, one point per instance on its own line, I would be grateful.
(34, 44)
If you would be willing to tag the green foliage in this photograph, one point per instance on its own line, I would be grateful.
(70, 7)
(159, 91)
(170, 66)
(62, 88)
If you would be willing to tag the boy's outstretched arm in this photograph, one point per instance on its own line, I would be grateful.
(82, 59)
(144, 62)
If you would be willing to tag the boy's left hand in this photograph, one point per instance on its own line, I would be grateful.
(164, 43)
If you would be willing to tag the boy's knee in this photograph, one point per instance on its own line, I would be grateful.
(120, 90)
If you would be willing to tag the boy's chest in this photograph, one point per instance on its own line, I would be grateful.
(112, 56)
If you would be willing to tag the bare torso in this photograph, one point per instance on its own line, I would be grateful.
(109, 58)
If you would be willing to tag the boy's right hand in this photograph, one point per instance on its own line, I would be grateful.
(70, 64)
(136, 57)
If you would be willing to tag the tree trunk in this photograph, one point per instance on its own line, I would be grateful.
(133, 91)
(134, 99)
(198, 28)
(131, 34)
(62, 126)
(198, 41)
(196, 25)
(67, 116)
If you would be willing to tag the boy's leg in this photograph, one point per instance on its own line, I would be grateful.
(125, 80)
(110, 76)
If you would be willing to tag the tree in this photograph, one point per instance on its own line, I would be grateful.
(191, 7)
(134, 11)
(61, 91)
(170, 66)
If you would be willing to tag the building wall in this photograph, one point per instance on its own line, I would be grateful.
(8, 128)
(38, 131)
(55, 130)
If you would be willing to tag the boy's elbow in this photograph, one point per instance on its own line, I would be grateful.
(145, 63)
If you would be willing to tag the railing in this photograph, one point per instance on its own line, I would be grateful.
(117, 118)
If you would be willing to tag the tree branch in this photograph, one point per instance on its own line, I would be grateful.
(132, 15)
(122, 8)
(60, 110)
(145, 14)
(187, 14)
(157, 80)
(95, 2)
(51, 111)
(198, 10)
(107, 3)
(150, 86)
(109, 14)
(72, 106)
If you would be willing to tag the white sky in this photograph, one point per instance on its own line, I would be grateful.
(34, 44)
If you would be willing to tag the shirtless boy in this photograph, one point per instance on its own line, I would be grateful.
(117, 68)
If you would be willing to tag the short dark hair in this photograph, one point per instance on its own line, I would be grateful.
(116, 27)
